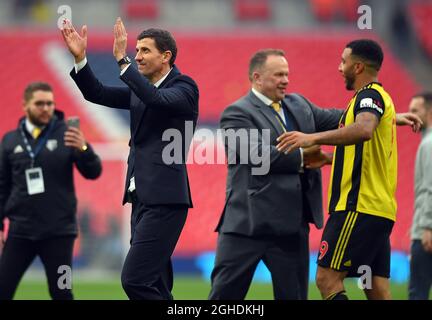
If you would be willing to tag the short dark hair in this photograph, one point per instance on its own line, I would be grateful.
(427, 97)
(367, 50)
(163, 39)
(35, 86)
(260, 57)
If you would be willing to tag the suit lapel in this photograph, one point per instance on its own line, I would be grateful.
(174, 72)
(140, 108)
(267, 112)
(297, 112)
(137, 111)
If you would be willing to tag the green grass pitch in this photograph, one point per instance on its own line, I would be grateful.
(185, 288)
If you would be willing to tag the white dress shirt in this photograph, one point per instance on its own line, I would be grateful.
(268, 102)
(30, 126)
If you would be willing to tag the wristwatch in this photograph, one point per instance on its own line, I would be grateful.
(84, 148)
(124, 60)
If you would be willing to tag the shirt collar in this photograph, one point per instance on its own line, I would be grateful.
(262, 97)
(30, 126)
(369, 84)
(159, 82)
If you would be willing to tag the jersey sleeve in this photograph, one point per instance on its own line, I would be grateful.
(369, 100)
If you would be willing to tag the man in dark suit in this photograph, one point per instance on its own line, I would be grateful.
(159, 98)
(266, 216)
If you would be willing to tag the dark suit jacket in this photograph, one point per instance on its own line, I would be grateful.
(152, 112)
(53, 212)
(275, 203)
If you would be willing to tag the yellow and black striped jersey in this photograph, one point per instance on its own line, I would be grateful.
(364, 175)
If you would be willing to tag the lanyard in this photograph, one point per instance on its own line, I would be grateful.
(41, 143)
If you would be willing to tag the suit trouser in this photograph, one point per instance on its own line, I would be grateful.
(237, 257)
(147, 272)
(19, 253)
(420, 272)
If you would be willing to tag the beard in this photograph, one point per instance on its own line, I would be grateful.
(349, 81)
(33, 119)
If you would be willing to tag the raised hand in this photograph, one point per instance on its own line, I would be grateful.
(120, 40)
(76, 43)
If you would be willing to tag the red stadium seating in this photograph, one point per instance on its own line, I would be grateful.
(26, 66)
(421, 17)
(323, 9)
(349, 8)
(141, 9)
(327, 10)
(252, 9)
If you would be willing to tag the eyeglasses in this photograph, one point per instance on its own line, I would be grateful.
(41, 103)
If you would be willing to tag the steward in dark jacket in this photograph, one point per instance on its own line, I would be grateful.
(37, 193)
(52, 212)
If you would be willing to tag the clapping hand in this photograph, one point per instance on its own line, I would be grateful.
(120, 40)
(76, 43)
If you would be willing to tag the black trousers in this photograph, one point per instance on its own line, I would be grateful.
(19, 253)
(237, 257)
(420, 281)
(147, 272)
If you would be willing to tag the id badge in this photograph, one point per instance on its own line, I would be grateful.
(35, 182)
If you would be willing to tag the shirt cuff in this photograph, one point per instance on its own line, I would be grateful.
(80, 65)
(124, 70)
(301, 156)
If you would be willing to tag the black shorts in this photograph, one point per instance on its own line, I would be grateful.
(352, 239)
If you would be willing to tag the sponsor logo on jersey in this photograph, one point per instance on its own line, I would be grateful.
(371, 104)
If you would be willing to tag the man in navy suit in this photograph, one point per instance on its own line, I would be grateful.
(159, 98)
